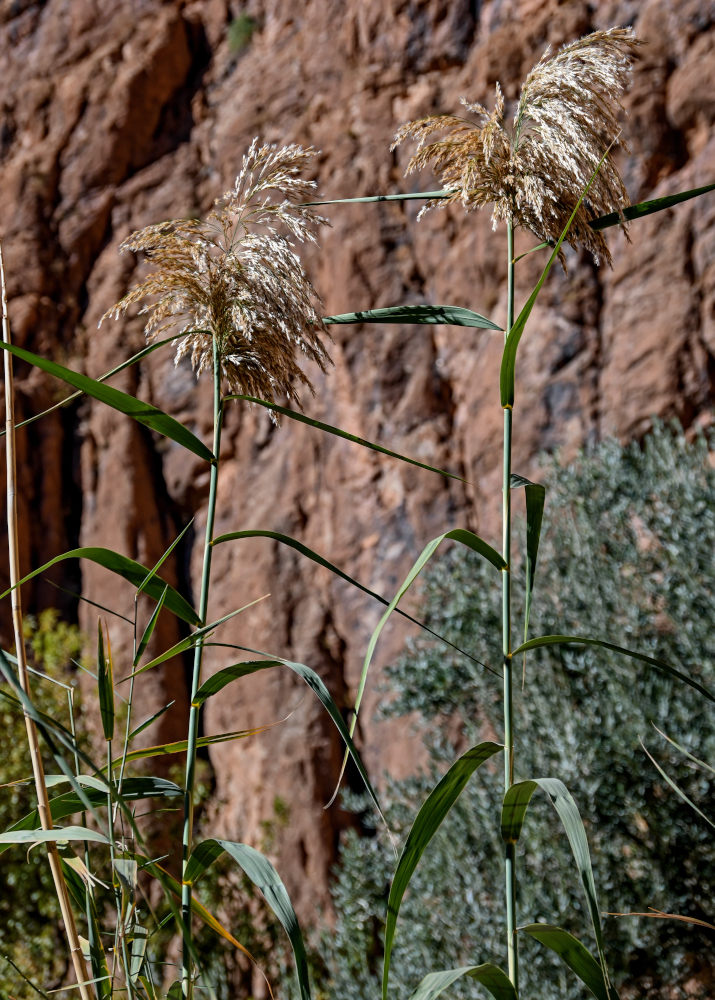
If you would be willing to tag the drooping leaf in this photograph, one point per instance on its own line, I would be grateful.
(129, 570)
(143, 413)
(579, 640)
(427, 822)
(675, 786)
(60, 834)
(516, 802)
(70, 803)
(314, 557)
(490, 976)
(574, 954)
(319, 425)
(508, 364)
(420, 314)
(223, 677)
(264, 876)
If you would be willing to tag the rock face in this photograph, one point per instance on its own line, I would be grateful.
(118, 115)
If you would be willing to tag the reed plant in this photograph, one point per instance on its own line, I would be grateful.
(231, 293)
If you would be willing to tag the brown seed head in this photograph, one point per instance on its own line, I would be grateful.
(535, 172)
(234, 279)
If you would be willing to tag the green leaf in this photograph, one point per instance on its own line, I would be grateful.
(648, 207)
(516, 802)
(508, 364)
(162, 559)
(129, 570)
(140, 411)
(310, 554)
(579, 640)
(61, 834)
(535, 496)
(97, 956)
(190, 640)
(574, 954)
(295, 415)
(102, 378)
(105, 684)
(427, 822)
(674, 785)
(422, 314)
(149, 630)
(264, 876)
(467, 538)
(223, 677)
(70, 803)
(152, 718)
(410, 196)
(181, 745)
(488, 975)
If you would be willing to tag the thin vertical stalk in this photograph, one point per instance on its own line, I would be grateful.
(186, 968)
(510, 858)
(43, 803)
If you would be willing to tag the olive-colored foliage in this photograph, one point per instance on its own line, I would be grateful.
(30, 931)
(626, 553)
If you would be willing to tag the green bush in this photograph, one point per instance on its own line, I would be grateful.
(627, 550)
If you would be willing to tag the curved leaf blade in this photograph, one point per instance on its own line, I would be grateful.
(179, 746)
(427, 822)
(574, 954)
(580, 640)
(490, 976)
(264, 876)
(421, 314)
(144, 413)
(129, 570)
(226, 676)
(56, 834)
(409, 196)
(293, 543)
(515, 803)
(328, 428)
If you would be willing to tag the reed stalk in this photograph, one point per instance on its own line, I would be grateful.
(43, 805)
(194, 711)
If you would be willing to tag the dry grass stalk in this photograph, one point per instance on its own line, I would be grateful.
(234, 279)
(43, 804)
(534, 172)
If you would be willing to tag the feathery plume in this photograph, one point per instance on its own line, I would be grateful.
(534, 173)
(234, 279)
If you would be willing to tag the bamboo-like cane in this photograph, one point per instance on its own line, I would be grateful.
(43, 805)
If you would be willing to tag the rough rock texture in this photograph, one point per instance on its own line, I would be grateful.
(116, 115)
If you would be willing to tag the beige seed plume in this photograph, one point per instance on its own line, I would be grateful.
(234, 279)
(535, 172)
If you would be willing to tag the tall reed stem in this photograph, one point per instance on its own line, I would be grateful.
(510, 859)
(187, 962)
(43, 803)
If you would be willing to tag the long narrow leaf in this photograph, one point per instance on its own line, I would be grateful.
(319, 425)
(675, 786)
(490, 976)
(410, 196)
(97, 955)
(516, 802)
(60, 834)
(579, 640)
(149, 630)
(427, 822)
(140, 411)
(162, 558)
(105, 684)
(264, 876)
(421, 314)
(649, 207)
(508, 364)
(129, 570)
(226, 676)
(181, 745)
(190, 640)
(310, 554)
(535, 495)
(152, 718)
(574, 954)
